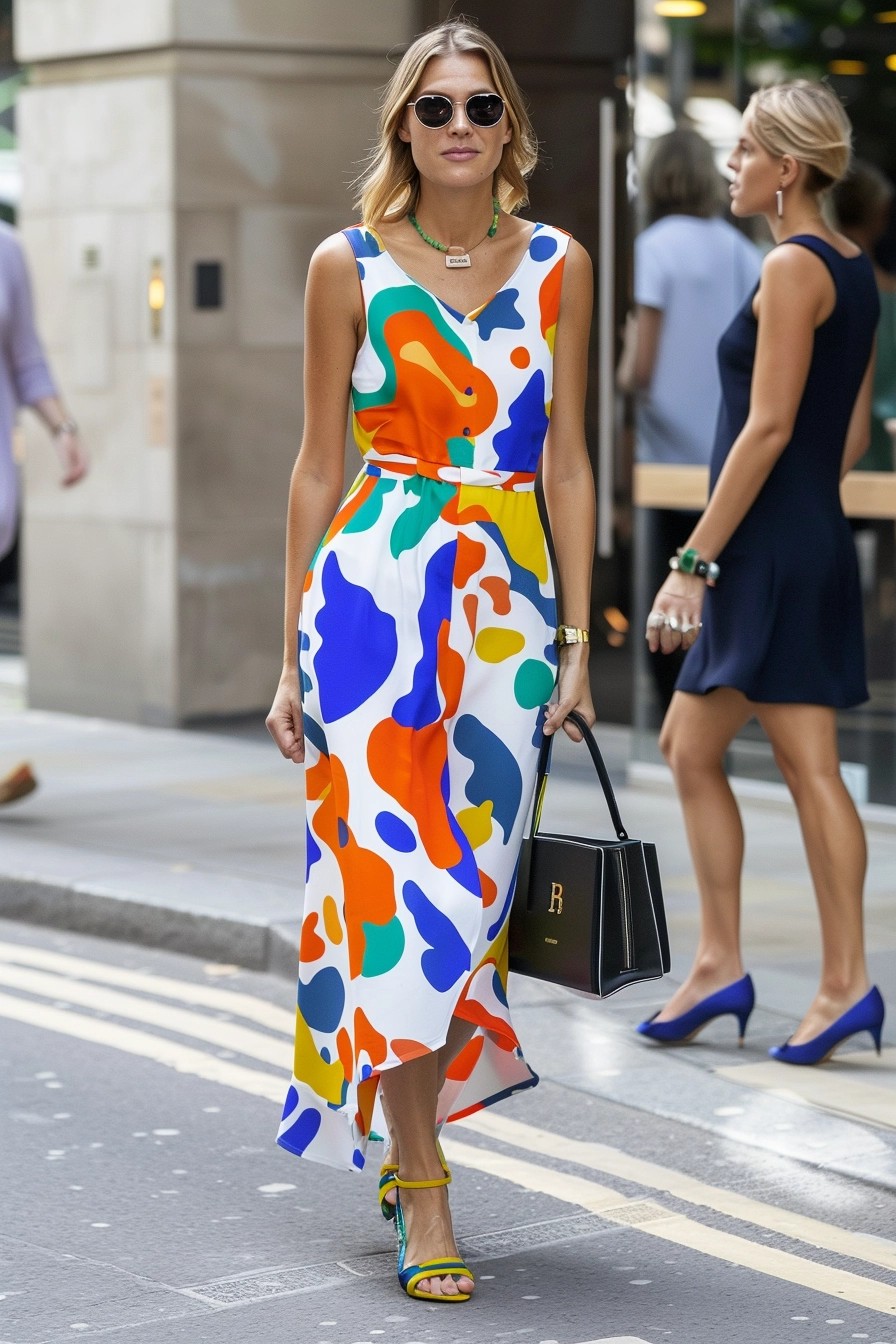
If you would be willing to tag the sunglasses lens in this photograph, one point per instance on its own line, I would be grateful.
(485, 109)
(434, 110)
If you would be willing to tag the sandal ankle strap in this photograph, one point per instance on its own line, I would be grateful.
(424, 1185)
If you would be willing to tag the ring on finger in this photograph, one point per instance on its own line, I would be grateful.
(672, 622)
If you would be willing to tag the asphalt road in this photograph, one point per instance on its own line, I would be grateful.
(143, 1198)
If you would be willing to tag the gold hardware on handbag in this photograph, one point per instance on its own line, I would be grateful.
(612, 930)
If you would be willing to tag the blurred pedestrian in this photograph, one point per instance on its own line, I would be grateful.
(782, 631)
(25, 380)
(693, 270)
(863, 204)
(428, 623)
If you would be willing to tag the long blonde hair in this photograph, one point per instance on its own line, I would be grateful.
(389, 187)
(807, 121)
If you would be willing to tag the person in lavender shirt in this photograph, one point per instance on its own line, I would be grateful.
(25, 380)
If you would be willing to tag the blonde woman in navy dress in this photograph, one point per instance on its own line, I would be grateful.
(770, 570)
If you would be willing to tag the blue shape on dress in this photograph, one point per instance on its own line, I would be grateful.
(496, 776)
(522, 580)
(350, 616)
(322, 999)
(466, 870)
(363, 243)
(342, 832)
(312, 851)
(500, 311)
(448, 957)
(315, 734)
(542, 246)
(395, 833)
(422, 706)
(519, 446)
(304, 1130)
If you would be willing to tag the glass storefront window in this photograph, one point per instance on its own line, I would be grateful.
(698, 70)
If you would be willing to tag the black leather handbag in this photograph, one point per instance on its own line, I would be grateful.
(587, 913)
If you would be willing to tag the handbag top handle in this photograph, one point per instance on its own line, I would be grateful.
(544, 770)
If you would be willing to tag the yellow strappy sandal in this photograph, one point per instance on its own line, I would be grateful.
(388, 1182)
(442, 1267)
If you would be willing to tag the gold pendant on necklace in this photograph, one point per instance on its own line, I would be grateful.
(456, 259)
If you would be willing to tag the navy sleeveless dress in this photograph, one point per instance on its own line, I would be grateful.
(784, 624)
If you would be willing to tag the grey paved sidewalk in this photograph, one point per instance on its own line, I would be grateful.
(194, 841)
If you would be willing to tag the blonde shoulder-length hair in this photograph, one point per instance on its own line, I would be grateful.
(389, 186)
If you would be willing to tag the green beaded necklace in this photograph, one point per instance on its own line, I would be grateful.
(455, 257)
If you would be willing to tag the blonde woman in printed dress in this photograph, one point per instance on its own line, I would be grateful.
(428, 624)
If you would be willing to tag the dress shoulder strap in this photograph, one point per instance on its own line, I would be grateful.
(363, 241)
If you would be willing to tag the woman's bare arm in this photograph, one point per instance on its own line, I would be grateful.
(332, 317)
(642, 341)
(569, 483)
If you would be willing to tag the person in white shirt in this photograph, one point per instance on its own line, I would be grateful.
(693, 270)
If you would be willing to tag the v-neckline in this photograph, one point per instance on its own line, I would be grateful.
(474, 312)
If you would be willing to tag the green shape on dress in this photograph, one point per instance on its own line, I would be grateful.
(460, 451)
(533, 684)
(385, 304)
(368, 515)
(415, 520)
(383, 947)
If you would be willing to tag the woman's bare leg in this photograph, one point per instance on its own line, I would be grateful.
(804, 738)
(410, 1096)
(459, 1033)
(696, 733)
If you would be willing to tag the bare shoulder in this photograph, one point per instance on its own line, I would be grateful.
(333, 259)
(791, 264)
(578, 260)
(332, 287)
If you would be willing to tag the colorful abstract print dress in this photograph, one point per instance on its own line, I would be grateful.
(426, 655)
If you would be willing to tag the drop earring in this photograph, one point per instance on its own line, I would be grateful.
(779, 202)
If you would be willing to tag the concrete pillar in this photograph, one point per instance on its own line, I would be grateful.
(209, 143)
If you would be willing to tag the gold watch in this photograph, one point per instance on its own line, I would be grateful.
(570, 634)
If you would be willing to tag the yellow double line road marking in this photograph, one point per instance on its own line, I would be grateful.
(85, 983)
(184, 991)
(613, 1162)
(655, 1221)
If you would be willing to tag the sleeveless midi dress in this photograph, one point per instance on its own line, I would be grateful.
(426, 655)
(784, 624)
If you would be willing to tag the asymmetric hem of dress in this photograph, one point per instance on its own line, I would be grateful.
(426, 656)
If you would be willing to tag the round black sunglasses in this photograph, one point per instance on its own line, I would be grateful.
(436, 110)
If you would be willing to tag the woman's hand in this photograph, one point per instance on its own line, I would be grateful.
(674, 621)
(284, 722)
(72, 455)
(573, 692)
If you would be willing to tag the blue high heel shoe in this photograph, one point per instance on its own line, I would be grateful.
(866, 1015)
(737, 999)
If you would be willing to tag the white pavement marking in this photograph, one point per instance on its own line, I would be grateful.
(206, 996)
(182, 1058)
(613, 1162)
(845, 1088)
(242, 1040)
(642, 1215)
(655, 1221)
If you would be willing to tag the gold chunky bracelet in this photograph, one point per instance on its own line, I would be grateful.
(570, 634)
